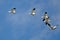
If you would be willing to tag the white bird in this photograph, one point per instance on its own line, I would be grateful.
(47, 20)
(13, 11)
(33, 12)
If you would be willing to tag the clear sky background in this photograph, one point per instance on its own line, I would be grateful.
(23, 26)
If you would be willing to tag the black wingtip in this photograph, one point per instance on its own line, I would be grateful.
(45, 12)
(33, 8)
(14, 8)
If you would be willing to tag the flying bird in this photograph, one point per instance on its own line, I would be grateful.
(13, 11)
(33, 11)
(46, 20)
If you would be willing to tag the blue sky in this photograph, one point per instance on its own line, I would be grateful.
(23, 26)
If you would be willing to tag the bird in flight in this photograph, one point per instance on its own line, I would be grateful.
(13, 11)
(33, 11)
(46, 20)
